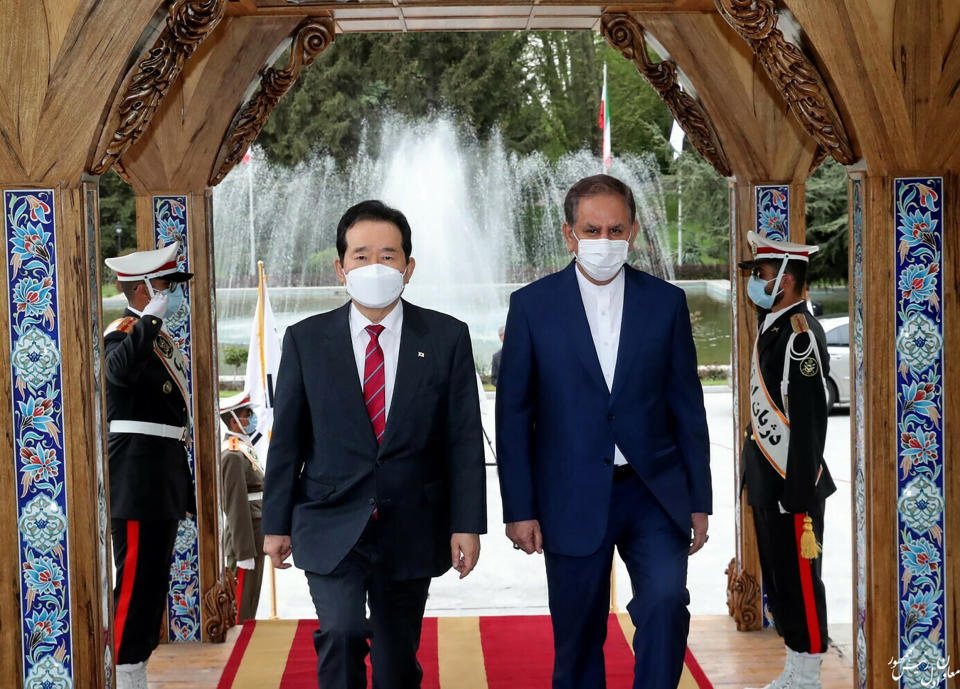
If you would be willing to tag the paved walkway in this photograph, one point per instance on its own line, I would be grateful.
(509, 582)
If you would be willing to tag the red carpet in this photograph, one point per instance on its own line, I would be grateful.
(455, 652)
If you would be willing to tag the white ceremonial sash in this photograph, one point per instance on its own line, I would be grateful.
(771, 429)
(169, 353)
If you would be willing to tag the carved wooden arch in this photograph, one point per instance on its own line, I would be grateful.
(188, 23)
(311, 37)
(792, 72)
(624, 33)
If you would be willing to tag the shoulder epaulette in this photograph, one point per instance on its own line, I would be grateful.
(123, 325)
(233, 443)
(799, 323)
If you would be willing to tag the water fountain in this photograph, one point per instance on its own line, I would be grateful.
(484, 220)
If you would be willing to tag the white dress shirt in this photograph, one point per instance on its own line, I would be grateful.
(774, 316)
(389, 343)
(604, 307)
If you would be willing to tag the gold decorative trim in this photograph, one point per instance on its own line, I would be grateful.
(624, 33)
(220, 607)
(792, 72)
(743, 599)
(188, 23)
(311, 37)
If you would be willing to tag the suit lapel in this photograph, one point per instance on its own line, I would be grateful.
(411, 368)
(629, 323)
(344, 376)
(578, 326)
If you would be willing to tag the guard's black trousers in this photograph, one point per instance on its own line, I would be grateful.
(141, 551)
(792, 583)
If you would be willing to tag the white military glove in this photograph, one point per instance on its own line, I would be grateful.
(249, 563)
(157, 306)
(780, 505)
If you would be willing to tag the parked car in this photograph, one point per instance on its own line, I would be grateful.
(837, 330)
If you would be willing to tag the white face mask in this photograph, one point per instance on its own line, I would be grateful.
(375, 286)
(601, 259)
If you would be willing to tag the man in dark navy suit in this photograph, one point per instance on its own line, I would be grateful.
(602, 441)
(375, 480)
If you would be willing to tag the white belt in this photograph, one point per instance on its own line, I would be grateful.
(255, 496)
(161, 430)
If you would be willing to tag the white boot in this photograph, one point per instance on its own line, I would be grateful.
(132, 676)
(786, 678)
(808, 670)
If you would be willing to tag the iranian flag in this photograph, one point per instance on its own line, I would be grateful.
(605, 123)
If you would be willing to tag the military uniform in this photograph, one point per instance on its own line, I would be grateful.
(784, 473)
(793, 344)
(242, 480)
(151, 488)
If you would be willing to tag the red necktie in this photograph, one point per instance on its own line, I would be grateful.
(375, 382)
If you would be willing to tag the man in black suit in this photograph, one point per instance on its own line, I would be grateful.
(376, 474)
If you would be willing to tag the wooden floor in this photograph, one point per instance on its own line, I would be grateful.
(731, 660)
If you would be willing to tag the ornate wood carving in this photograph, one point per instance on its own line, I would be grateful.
(743, 599)
(188, 23)
(220, 607)
(792, 72)
(623, 32)
(311, 37)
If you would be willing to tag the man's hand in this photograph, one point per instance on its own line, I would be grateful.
(279, 549)
(700, 536)
(526, 536)
(464, 552)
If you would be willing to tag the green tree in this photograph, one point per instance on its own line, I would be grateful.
(117, 209)
(236, 356)
(706, 219)
(827, 222)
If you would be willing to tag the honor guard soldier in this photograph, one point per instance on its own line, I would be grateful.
(241, 477)
(784, 473)
(151, 488)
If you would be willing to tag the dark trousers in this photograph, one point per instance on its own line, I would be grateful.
(793, 584)
(396, 616)
(142, 551)
(655, 552)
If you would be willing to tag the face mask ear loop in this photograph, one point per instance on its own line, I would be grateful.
(150, 290)
(239, 425)
(776, 285)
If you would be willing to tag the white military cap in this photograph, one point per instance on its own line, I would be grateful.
(765, 249)
(234, 402)
(140, 265)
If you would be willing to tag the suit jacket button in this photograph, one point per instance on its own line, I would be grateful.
(607, 461)
(611, 417)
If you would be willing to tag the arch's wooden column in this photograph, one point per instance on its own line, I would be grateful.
(893, 68)
(63, 66)
(739, 124)
(198, 133)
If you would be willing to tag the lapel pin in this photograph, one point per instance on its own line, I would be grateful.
(420, 354)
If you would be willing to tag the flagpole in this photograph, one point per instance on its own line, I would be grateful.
(261, 306)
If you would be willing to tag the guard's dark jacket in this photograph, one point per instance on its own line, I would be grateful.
(149, 476)
(326, 471)
(807, 413)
